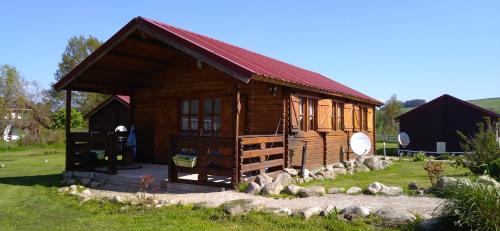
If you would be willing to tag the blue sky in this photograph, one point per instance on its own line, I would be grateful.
(415, 49)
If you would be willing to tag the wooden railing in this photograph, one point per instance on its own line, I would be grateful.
(261, 154)
(208, 162)
(81, 144)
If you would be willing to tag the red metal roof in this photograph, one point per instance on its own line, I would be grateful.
(262, 65)
(125, 98)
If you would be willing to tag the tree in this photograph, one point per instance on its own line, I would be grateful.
(11, 92)
(78, 48)
(414, 102)
(59, 119)
(386, 114)
(480, 148)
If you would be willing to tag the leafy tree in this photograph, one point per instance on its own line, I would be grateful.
(59, 119)
(414, 102)
(385, 116)
(11, 92)
(78, 48)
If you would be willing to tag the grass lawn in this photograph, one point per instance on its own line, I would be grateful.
(391, 149)
(401, 173)
(29, 201)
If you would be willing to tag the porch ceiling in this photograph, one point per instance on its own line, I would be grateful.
(126, 66)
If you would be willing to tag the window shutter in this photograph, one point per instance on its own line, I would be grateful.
(369, 119)
(294, 113)
(348, 113)
(357, 120)
(325, 115)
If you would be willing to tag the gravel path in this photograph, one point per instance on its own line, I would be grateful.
(423, 206)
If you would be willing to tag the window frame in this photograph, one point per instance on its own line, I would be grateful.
(189, 116)
(337, 115)
(200, 116)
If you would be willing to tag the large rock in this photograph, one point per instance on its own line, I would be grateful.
(253, 188)
(445, 182)
(354, 211)
(353, 191)
(373, 163)
(263, 179)
(375, 188)
(335, 190)
(391, 190)
(328, 174)
(306, 213)
(359, 166)
(239, 207)
(487, 180)
(395, 217)
(292, 189)
(312, 191)
(273, 188)
(282, 211)
(329, 209)
(339, 171)
(85, 195)
(63, 190)
(291, 171)
(116, 198)
(284, 179)
(385, 163)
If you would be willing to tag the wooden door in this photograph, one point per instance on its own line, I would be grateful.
(165, 128)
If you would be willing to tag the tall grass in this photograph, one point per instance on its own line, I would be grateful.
(473, 207)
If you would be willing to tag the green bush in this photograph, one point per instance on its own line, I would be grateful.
(472, 207)
(420, 156)
(481, 148)
(444, 156)
(59, 119)
(494, 168)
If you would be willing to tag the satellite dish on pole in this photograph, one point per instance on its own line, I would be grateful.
(403, 139)
(360, 143)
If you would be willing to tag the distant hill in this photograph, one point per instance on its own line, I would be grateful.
(492, 104)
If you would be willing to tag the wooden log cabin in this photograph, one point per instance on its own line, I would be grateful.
(432, 127)
(109, 114)
(239, 112)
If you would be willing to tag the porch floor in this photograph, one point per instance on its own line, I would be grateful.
(126, 180)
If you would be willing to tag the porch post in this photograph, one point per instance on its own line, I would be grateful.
(236, 118)
(67, 127)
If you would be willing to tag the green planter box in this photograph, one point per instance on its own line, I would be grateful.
(185, 160)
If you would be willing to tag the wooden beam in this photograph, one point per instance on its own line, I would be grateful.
(67, 128)
(134, 56)
(236, 121)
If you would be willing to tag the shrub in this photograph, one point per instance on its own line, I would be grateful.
(473, 207)
(59, 119)
(444, 156)
(434, 171)
(420, 156)
(481, 148)
(494, 168)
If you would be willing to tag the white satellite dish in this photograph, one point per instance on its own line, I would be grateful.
(403, 139)
(360, 143)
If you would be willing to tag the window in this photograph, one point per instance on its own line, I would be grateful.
(337, 116)
(189, 117)
(208, 113)
(211, 120)
(311, 114)
(302, 105)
